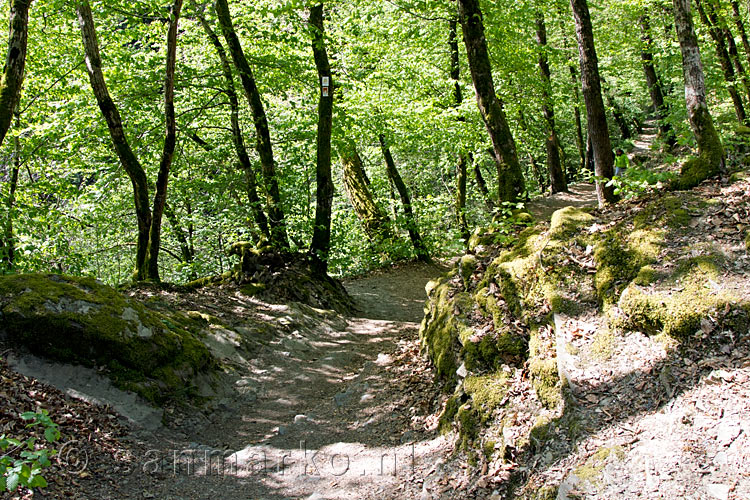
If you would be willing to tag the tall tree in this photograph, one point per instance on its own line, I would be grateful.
(411, 223)
(251, 182)
(170, 140)
(509, 173)
(321, 241)
(111, 114)
(710, 151)
(598, 132)
(262, 132)
(455, 72)
(554, 156)
(15, 64)
(374, 221)
(708, 17)
(580, 143)
(653, 82)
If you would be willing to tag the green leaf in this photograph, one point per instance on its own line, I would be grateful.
(12, 481)
(38, 482)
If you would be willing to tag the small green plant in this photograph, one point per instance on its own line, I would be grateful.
(21, 462)
(636, 181)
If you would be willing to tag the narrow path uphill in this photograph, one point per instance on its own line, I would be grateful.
(326, 407)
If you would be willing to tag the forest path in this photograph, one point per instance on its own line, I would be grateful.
(583, 194)
(343, 409)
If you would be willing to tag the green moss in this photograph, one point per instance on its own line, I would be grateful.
(488, 449)
(487, 392)
(468, 426)
(676, 308)
(545, 493)
(568, 221)
(78, 320)
(252, 289)
(467, 265)
(592, 469)
(445, 422)
(646, 276)
(603, 345)
(747, 242)
(541, 432)
(545, 381)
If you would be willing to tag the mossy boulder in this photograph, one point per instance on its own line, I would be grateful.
(81, 321)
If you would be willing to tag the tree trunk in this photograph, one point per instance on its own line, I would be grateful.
(592, 95)
(186, 252)
(509, 173)
(8, 242)
(263, 135)
(741, 28)
(458, 98)
(653, 82)
(411, 223)
(321, 241)
(710, 151)
(15, 63)
(170, 140)
(580, 143)
(735, 56)
(726, 64)
(554, 163)
(481, 183)
(537, 172)
(374, 221)
(117, 133)
(617, 112)
(251, 182)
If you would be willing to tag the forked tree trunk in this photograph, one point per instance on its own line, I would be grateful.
(170, 140)
(726, 64)
(710, 151)
(653, 82)
(481, 182)
(592, 95)
(186, 252)
(374, 221)
(411, 223)
(109, 111)
(463, 227)
(509, 173)
(554, 156)
(321, 241)
(15, 64)
(617, 112)
(263, 135)
(251, 182)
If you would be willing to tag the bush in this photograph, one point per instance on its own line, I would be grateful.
(22, 462)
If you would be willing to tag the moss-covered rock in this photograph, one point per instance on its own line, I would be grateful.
(81, 321)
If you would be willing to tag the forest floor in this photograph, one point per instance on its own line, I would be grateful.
(328, 407)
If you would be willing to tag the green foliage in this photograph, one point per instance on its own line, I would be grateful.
(22, 460)
(637, 181)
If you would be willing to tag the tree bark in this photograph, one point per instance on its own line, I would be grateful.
(455, 72)
(124, 152)
(186, 251)
(170, 140)
(653, 82)
(592, 95)
(374, 221)
(263, 135)
(554, 162)
(15, 64)
(741, 28)
(8, 242)
(251, 182)
(580, 143)
(321, 240)
(510, 175)
(710, 151)
(726, 64)
(617, 112)
(481, 182)
(411, 224)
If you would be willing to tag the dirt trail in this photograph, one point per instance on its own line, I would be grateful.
(333, 408)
